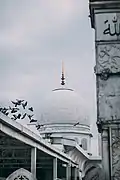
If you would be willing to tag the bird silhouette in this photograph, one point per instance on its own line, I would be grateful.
(6, 113)
(30, 116)
(31, 109)
(15, 103)
(24, 105)
(76, 124)
(1, 109)
(14, 110)
(19, 115)
(19, 101)
(4, 110)
(23, 116)
(39, 126)
(14, 117)
(33, 120)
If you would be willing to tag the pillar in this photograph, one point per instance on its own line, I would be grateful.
(105, 154)
(33, 161)
(75, 173)
(68, 172)
(55, 168)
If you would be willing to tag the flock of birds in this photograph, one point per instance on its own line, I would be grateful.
(16, 113)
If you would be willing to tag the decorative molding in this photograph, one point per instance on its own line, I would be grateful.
(21, 174)
(115, 134)
(61, 128)
(108, 60)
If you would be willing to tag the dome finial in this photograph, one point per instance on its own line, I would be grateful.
(63, 75)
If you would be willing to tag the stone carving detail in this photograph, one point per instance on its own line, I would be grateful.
(116, 154)
(105, 74)
(21, 174)
(108, 60)
(21, 177)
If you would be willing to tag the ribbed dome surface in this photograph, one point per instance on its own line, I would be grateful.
(64, 106)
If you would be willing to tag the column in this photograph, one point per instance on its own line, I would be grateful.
(105, 154)
(75, 173)
(55, 169)
(33, 161)
(68, 172)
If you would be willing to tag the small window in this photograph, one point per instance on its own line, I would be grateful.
(84, 143)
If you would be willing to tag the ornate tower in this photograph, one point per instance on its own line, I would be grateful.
(105, 19)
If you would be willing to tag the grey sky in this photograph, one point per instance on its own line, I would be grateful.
(35, 36)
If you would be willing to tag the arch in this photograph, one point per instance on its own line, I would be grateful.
(21, 174)
(90, 165)
(94, 173)
(84, 143)
(91, 169)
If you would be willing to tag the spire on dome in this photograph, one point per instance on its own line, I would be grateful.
(63, 75)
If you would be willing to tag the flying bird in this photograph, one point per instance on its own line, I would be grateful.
(33, 120)
(76, 124)
(15, 103)
(6, 113)
(24, 105)
(14, 117)
(30, 116)
(39, 126)
(23, 116)
(19, 115)
(19, 101)
(14, 110)
(31, 109)
(4, 110)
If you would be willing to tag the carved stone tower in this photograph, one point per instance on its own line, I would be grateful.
(105, 19)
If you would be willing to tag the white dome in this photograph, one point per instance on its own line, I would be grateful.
(64, 106)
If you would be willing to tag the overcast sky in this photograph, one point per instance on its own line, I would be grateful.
(35, 36)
